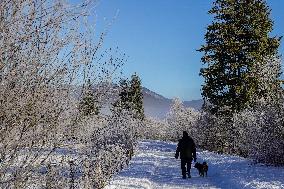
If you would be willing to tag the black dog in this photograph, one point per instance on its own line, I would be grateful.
(202, 168)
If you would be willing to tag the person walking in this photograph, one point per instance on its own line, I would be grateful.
(186, 150)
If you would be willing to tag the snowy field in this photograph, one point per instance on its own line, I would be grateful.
(154, 166)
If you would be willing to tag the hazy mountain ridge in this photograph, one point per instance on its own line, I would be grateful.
(156, 105)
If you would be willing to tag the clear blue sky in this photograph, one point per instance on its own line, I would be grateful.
(161, 37)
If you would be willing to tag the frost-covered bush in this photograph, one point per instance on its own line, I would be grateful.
(260, 127)
(261, 133)
(112, 145)
(155, 129)
(178, 119)
(181, 119)
(47, 50)
(40, 57)
(213, 133)
(257, 133)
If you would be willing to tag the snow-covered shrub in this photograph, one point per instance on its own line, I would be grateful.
(181, 119)
(205, 134)
(261, 126)
(46, 51)
(39, 61)
(156, 129)
(213, 133)
(262, 133)
(110, 147)
(256, 132)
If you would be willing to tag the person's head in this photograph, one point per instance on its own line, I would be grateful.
(184, 134)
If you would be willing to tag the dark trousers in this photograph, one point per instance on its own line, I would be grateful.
(185, 166)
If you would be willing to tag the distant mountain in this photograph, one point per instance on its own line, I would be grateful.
(196, 104)
(155, 105)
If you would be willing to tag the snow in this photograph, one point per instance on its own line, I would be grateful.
(154, 167)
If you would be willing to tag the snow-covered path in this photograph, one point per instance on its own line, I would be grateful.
(154, 166)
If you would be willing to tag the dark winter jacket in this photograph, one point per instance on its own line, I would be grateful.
(186, 148)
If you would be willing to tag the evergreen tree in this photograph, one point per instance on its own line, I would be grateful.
(137, 96)
(123, 103)
(88, 104)
(130, 97)
(237, 43)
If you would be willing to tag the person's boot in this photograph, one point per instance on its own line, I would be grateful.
(188, 174)
(183, 173)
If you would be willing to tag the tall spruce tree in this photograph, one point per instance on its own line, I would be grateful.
(237, 43)
(137, 96)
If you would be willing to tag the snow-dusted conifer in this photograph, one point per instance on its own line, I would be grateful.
(136, 96)
(237, 43)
